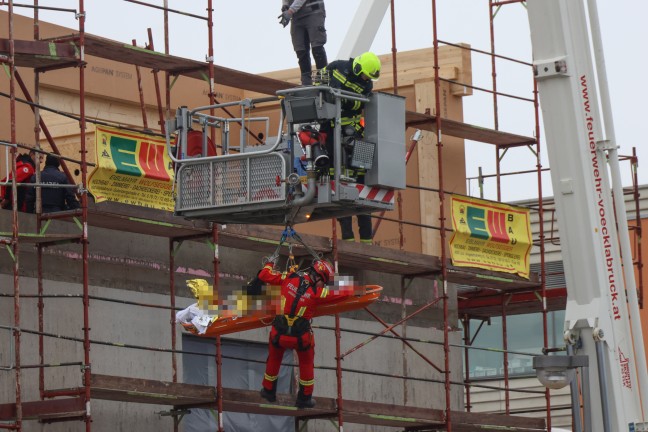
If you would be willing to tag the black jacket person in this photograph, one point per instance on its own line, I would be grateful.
(307, 32)
(355, 75)
(54, 199)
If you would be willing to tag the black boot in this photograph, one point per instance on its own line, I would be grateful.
(304, 401)
(305, 66)
(306, 78)
(269, 395)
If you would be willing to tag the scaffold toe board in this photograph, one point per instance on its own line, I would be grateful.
(144, 391)
(127, 53)
(39, 54)
(486, 304)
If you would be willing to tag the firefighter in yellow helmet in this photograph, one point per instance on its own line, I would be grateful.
(354, 75)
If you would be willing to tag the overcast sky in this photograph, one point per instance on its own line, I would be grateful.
(247, 37)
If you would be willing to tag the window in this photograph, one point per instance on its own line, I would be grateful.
(524, 335)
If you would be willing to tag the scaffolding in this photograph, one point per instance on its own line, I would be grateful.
(493, 294)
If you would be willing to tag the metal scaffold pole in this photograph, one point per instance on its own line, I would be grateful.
(442, 232)
(84, 218)
(14, 216)
(541, 236)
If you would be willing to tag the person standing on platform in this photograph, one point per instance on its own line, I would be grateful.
(307, 32)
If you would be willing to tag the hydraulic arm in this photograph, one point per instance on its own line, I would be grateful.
(601, 321)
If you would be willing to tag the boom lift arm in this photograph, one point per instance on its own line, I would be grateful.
(600, 321)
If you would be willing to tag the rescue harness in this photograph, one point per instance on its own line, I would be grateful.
(291, 324)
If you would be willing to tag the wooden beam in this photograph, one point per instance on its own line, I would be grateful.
(43, 410)
(136, 390)
(428, 163)
(36, 54)
(149, 391)
(497, 421)
(392, 415)
(463, 130)
(127, 53)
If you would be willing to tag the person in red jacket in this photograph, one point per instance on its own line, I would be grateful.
(301, 292)
(25, 167)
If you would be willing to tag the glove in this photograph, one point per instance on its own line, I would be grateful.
(254, 287)
(285, 17)
(284, 8)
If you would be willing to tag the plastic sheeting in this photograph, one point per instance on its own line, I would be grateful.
(239, 374)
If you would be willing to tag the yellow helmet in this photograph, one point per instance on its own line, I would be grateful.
(199, 288)
(367, 63)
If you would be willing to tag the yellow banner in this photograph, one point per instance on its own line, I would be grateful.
(491, 236)
(132, 169)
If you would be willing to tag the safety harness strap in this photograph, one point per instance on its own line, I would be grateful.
(293, 324)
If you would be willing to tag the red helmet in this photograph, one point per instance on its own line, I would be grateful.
(324, 269)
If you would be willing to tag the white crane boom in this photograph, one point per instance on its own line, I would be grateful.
(584, 170)
(363, 29)
(570, 70)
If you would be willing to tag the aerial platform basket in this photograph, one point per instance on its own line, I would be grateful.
(286, 178)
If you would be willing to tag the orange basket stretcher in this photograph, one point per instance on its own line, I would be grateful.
(232, 324)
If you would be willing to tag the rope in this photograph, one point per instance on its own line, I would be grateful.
(290, 233)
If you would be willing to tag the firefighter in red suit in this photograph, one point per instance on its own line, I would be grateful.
(301, 292)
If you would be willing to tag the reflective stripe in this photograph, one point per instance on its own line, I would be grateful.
(348, 172)
(355, 120)
(325, 292)
(353, 86)
(283, 302)
(292, 320)
(272, 378)
(301, 311)
(306, 383)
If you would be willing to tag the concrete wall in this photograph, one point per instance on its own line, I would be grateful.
(109, 323)
(134, 267)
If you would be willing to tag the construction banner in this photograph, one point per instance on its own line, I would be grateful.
(490, 236)
(132, 169)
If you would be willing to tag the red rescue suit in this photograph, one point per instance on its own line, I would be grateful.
(24, 171)
(292, 330)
